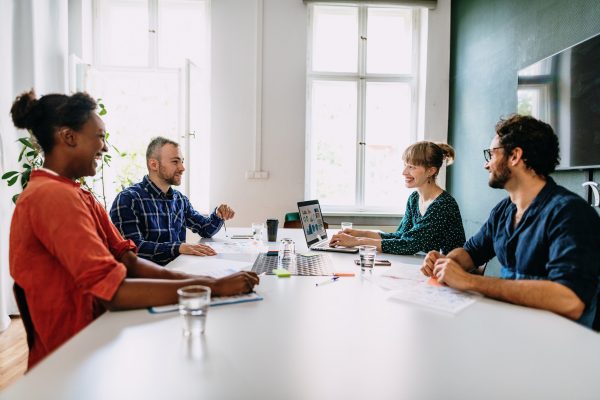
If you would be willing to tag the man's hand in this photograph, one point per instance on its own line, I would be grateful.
(225, 212)
(240, 282)
(429, 262)
(447, 271)
(196, 249)
(343, 239)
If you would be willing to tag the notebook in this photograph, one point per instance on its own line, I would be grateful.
(217, 268)
(314, 228)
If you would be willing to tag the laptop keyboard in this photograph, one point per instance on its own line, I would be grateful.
(313, 265)
(324, 243)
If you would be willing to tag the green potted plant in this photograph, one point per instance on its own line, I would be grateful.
(32, 157)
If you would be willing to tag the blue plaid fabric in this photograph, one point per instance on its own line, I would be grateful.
(156, 221)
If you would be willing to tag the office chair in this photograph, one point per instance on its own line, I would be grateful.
(596, 323)
(479, 270)
(292, 220)
(25, 316)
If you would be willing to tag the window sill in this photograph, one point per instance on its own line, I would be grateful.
(371, 214)
(363, 218)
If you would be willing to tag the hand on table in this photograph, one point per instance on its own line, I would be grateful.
(225, 212)
(343, 239)
(448, 271)
(196, 249)
(429, 262)
(237, 283)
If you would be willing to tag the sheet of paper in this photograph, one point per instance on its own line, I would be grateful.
(398, 278)
(407, 284)
(440, 298)
(217, 268)
(238, 246)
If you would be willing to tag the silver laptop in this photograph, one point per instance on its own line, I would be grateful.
(314, 228)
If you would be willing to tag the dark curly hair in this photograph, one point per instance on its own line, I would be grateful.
(43, 116)
(536, 138)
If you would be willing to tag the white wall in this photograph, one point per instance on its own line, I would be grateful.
(233, 107)
(33, 50)
(234, 31)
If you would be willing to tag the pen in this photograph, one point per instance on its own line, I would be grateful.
(330, 280)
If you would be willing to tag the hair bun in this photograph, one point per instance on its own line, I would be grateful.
(448, 151)
(23, 110)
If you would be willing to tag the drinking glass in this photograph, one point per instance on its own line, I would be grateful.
(286, 256)
(257, 230)
(193, 308)
(346, 225)
(367, 257)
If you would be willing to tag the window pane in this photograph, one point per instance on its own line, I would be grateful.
(388, 116)
(176, 44)
(389, 41)
(135, 115)
(123, 32)
(333, 142)
(335, 39)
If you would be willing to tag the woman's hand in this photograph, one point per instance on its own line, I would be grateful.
(240, 282)
(343, 239)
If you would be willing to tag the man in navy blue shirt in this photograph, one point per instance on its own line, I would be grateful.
(546, 237)
(154, 215)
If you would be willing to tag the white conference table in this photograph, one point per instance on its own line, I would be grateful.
(344, 340)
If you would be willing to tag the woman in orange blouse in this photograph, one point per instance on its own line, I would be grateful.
(65, 253)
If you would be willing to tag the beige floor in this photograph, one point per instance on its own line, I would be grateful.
(13, 353)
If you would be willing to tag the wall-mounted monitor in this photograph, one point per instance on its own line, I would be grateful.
(564, 91)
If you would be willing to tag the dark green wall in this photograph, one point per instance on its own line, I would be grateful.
(491, 40)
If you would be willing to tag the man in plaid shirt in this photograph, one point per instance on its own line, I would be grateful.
(154, 215)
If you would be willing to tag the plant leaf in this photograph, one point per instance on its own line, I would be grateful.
(21, 153)
(25, 178)
(9, 174)
(26, 142)
(102, 111)
(13, 180)
(31, 153)
(26, 166)
(15, 198)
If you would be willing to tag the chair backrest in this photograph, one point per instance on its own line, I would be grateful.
(480, 270)
(292, 220)
(596, 323)
(25, 316)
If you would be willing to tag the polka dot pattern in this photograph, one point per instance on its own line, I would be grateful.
(440, 228)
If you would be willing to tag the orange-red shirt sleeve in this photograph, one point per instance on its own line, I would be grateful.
(72, 232)
(116, 243)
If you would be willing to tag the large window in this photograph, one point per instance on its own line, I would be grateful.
(150, 67)
(361, 104)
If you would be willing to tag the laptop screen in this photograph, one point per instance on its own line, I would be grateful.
(312, 221)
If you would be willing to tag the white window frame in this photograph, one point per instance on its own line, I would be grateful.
(185, 133)
(361, 77)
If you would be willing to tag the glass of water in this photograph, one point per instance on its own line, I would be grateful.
(286, 257)
(346, 225)
(367, 257)
(257, 230)
(193, 307)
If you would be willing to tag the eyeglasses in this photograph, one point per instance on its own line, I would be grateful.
(487, 153)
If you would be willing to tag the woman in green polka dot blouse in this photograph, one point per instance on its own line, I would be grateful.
(432, 219)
